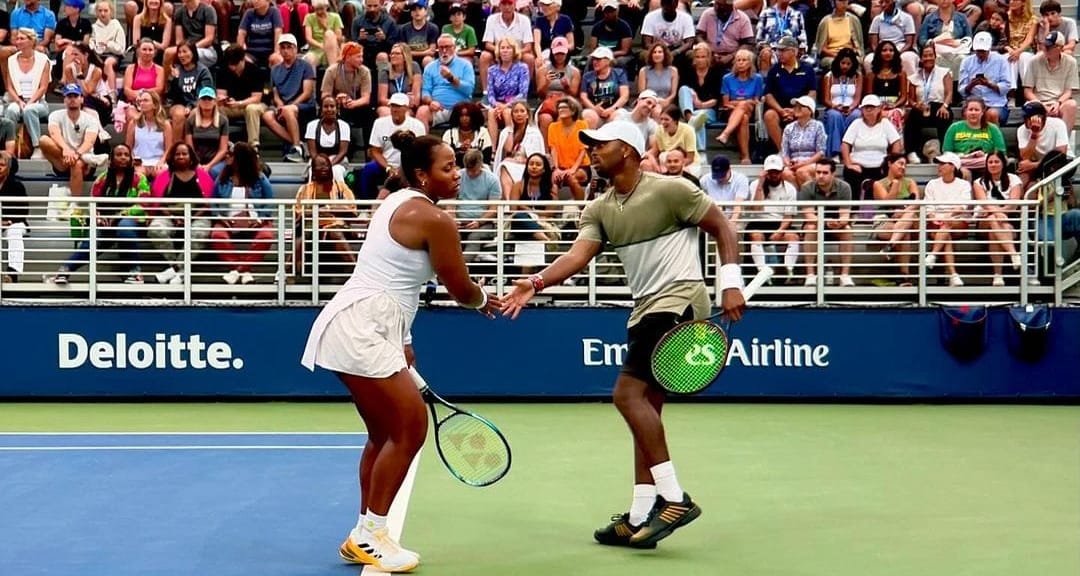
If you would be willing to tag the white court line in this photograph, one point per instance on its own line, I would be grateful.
(152, 448)
(183, 433)
(395, 518)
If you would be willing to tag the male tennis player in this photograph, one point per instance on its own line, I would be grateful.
(652, 223)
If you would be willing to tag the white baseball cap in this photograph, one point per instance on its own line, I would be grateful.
(602, 52)
(647, 93)
(399, 99)
(949, 158)
(621, 130)
(805, 101)
(870, 100)
(982, 41)
(287, 39)
(774, 162)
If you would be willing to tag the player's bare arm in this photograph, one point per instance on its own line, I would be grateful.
(727, 246)
(575, 260)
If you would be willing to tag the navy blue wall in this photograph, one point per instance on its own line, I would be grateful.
(841, 353)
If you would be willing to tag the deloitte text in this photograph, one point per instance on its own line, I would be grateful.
(780, 353)
(167, 351)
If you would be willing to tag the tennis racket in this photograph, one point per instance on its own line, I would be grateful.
(690, 356)
(471, 447)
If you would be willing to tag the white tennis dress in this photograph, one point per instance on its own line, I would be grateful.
(363, 330)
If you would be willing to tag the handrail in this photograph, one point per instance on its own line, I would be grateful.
(1058, 262)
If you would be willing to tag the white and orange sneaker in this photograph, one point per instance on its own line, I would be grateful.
(379, 550)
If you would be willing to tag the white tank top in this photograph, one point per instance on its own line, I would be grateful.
(26, 83)
(382, 266)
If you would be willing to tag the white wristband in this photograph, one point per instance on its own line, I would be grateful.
(482, 302)
(730, 276)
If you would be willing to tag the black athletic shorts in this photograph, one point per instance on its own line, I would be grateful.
(642, 338)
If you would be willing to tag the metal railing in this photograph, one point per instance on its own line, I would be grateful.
(285, 259)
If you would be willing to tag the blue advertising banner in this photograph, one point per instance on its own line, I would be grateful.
(546, 353)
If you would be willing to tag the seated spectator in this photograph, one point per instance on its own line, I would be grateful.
(613, 33)
(866, 143)
(504, 23)
(700, 93)
(144, 74)
(477, 211)
(675, 134)
(329, 136)
(208, 133)
(723, 184)
(672, 28)
(508, 82)
(772, 224)
(984, 74)
(349, 82)
(1039, 136)
(195, 24)
(516, 142)
(660, 76)
(803, 143)
(149, 135)
(117, 224)
(69, 146)
(260, 30)
(13, 218)
(240, 93)
(71, 28)
(930, 91)
(897, 27)
(786, 81)
(604, 89)
(555, 78)
(675, 164)
(778, 21)
(447, 81)
(36, 18)
(402, 75)
(323, 32)
(837, 224)
(841, 92)
(420, 33)
(293, 88)
(188, 77)
(108, 41)
(642, 117)
(949, 32)
(889, 83)
(998, 29)
(947, 222)
(463, 34)
(27, 80)
(838, 31)
(385, 156)
(995, 221)
(571, 166)
(548, 26)
(182, 179)
(86, 71)
(467, 133)
(153, 23)
(1052, 79)
(243, 181)
(724, 30)
(1023, 25)
(973, 137)
(374, 29)
(334, 225)
(898, 225)
(1053, 21)
(533, 222)
(741, 91)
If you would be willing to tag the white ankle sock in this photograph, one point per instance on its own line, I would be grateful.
(360, 521)
(373, 522)
(644, 498)
(791, 255)
(667, 485)
(757, 254)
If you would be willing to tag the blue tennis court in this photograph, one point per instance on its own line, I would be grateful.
(177, 504)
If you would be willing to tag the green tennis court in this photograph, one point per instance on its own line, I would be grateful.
(786, 489)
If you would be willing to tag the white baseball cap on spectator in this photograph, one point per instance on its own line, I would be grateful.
(399, 99)
(647, 93)
(621, 130)
(870, 100)
(774, 162)
(287, 39)
(949, 158)
(555, 2)
(602, 52)
(806, 102)
(982, 41)
(605, 4)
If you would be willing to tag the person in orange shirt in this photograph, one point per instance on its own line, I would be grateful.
(571, 162)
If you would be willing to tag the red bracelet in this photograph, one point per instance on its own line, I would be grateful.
(537, 283)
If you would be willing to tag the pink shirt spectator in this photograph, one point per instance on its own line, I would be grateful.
(724, 38)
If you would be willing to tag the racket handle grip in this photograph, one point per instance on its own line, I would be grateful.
(756, 282)
(421, 384)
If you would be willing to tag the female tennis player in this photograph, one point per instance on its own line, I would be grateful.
(363, 335)
(652, 223)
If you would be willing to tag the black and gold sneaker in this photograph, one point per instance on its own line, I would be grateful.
(618, 533)
(664, 519)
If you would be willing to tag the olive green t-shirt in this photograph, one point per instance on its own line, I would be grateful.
(654, 232)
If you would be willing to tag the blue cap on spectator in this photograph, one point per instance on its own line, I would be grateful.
(207, 92)
(72, 90)
(418, 4)
(721, 165)
(1055, 38)
(77, 4)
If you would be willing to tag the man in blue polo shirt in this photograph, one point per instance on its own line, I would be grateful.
(787, 80)
(36, 17)
(447, 81)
